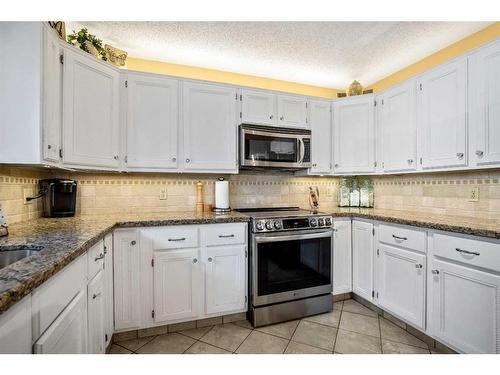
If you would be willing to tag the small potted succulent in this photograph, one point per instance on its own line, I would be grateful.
(88, 43)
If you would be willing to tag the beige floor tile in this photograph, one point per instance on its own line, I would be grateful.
(262, 343)
(298, 348)
(135, 344)
(357, 308)
(314, 334)
(338, 305)
(355, 343)
(395, 320)
(363, 324)
(392, 332)
(204, 348)
(391, 347)
(284, 330)
(117, 349)
(226, 336)
(196, 333)
(331, 319)
(244, 324)
(172, 343)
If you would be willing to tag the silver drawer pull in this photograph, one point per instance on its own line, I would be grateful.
(418, 266)
(467, 252)
(226, 235)
(210, 259)
(435, 272)
(94, 296)
(133, 243)
(101, 256)
(460, 155)
(177, 239)
(195, 260)
(399, 238)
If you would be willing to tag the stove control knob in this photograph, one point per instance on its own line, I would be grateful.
(321, 222)
(260, 225)
(277, 224)
(269, 225)
(328, 221)
(313, 222)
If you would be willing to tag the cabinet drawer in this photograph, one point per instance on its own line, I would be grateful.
(413, 239)
(470, 251)
(224, 234)
(175, 238)
(95, 259)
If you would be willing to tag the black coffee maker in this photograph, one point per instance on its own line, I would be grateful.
(58, 197)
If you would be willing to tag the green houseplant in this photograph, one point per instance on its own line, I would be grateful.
(88, 43)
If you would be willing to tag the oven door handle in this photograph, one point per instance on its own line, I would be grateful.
(291, 237)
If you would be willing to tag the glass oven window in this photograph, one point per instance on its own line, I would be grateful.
(271, 149)
(292, 265)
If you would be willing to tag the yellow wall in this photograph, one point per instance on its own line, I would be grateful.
(472, 41)
(193, 72)
(462, 46)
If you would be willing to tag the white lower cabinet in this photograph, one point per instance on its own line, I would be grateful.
(362, 259)
(96, 314)
(109, 325)
(401, 283)
(342, 257)
(225, 279)
(15, 328)
(68, 333)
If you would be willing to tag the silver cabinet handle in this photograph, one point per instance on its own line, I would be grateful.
(210, 259)
(116, 157)
(467, 252)
(336, 165)
(410, 161)
(226, 235)
(105, 250)
(188, 160)
(195, 260)
(101, 256)
(460, 155)
(176, 239)
(435, 272)
(49, 146)
(95, 295)
(399, 238)
(418, 266)
(174, 159)
(271, 117)
(282, 118)
(133, 243)
(479, 153)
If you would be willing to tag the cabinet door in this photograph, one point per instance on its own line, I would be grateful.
(52, 95)
(342, 257)
(484, 100)
(354, 135)
(292, 111)
(108, 286)
(321, 132)
(126, 260)
(68, 333)
(258, 107)
(464, 309)
(152, 122)
(90, 112)
(177, 285)
(225, 276)
(362, 259)
(398, 129)
(442, 108)
(401, 283)
(210, 131)
(96, 314)
(15, 328)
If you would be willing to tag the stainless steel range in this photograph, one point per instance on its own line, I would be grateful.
(290, 263)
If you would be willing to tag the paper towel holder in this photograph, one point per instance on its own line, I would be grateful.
(218, 210)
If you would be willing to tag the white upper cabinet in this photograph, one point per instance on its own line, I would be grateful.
(398, 127)
(342, 257)
(258, 107)
(152, 122)
(210, 128)
(292, 111)
(90, 112)
(362, 259)
(442, 108)
(321, 132)
(484, 102)
(354, 135)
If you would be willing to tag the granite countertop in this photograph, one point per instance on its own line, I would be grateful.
(63, 240)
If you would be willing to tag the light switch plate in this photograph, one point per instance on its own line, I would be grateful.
(474, 194)
(163, 193)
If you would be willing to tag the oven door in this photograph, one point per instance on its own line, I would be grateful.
(273, 148)
(288, 266)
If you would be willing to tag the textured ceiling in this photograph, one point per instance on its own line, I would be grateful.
(328, 54)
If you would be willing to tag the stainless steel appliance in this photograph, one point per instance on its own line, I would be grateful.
(290, 264)
(272, 147)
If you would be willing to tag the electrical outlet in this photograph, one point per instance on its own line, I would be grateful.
(474, 194)
(163, 193)
(27, 193)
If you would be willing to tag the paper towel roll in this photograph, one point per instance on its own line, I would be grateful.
(222, 194)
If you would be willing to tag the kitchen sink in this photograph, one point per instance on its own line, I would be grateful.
(12, 254)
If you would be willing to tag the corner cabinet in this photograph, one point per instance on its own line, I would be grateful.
(484, 106)
(362, 259)
(354, 135)
(210, 128)
(321, 132)
(90, 112)
(442, 111)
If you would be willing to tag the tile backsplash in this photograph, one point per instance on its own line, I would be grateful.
(98, 193)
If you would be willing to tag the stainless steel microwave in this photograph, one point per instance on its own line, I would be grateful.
(273, 147)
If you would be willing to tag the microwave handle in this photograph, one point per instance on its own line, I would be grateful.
(302, 151)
